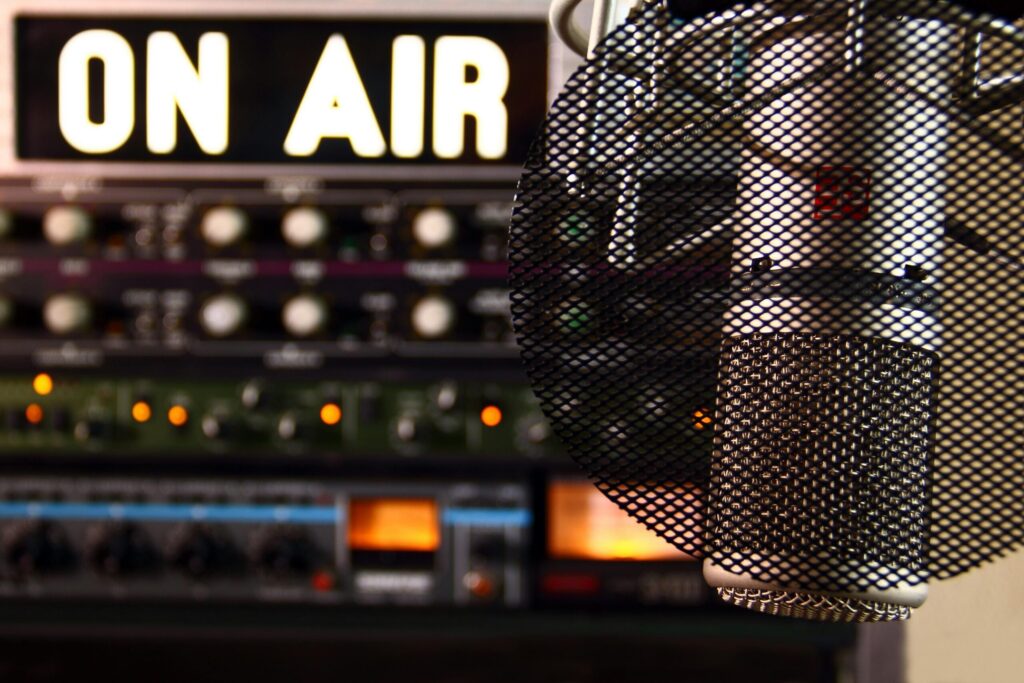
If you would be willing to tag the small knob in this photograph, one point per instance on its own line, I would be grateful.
(304, 315)
(224, 226)
(304, 227)
(121, 549)
(37, 547)
(536, 431)
(223, 315)
(409, 429)
(91, 429)
(446, 396)
(215, 427)
(433, 317)
(434, 228)
(253, 395)
(64, 226)
(289, 427)
(66, 314)
(482, 585)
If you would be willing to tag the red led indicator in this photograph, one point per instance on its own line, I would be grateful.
(570, 584)
(323, 581)
(842, 193)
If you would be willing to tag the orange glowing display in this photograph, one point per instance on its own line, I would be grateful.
(584, 525)
(395, 524)
(34, 413)
(491, 416)
(42, 384)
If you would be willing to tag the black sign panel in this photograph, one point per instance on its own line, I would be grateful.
(240, 101)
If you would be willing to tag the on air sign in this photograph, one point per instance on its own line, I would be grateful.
(273, 90)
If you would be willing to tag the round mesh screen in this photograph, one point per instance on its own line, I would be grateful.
(766, 277)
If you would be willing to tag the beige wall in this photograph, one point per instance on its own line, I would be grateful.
(971, 630)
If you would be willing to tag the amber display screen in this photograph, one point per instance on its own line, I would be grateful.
(585, 525)
(393, 524)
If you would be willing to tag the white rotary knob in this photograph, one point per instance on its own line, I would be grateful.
(222, 315)
(433, 317)
(66, 225)
(224, 226)
(66, 314)
(434, 228)
(304, 315)
(304, 227)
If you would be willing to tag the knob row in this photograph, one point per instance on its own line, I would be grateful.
(223, 315)
(33, 548)
(225, 226)
(304, 227)
(306, 315)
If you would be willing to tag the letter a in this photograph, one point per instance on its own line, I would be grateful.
(335, 106)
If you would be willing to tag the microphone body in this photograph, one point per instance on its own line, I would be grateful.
(819, 479)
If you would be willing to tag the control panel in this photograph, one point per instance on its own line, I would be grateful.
(267, 418)
(282, 541)
(271, 275)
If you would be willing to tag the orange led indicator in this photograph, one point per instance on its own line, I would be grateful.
(491, 416)
(177, 416)
(42, 384)
(702, 418)
(34, 413)
(141, 411)
(330, 414)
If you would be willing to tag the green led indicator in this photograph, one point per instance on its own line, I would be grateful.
(575, 318)
(574, 230)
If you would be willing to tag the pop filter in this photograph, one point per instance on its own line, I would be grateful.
(766, 278)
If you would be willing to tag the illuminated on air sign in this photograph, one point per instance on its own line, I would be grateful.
(272, 91)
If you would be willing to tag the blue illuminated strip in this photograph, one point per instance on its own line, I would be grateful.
(180, 512)
(172, 512)
(488, 516)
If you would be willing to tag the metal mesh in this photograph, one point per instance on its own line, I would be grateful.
(766, 278)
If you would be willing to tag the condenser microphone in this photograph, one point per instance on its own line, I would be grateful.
(819, 474)
(759, 278)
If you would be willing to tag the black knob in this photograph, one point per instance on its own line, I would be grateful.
(37, 547)
(284, 553)
(199, 551)
(121, 549)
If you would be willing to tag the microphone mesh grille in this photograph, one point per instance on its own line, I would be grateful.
(812, 606)
(821, 455)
